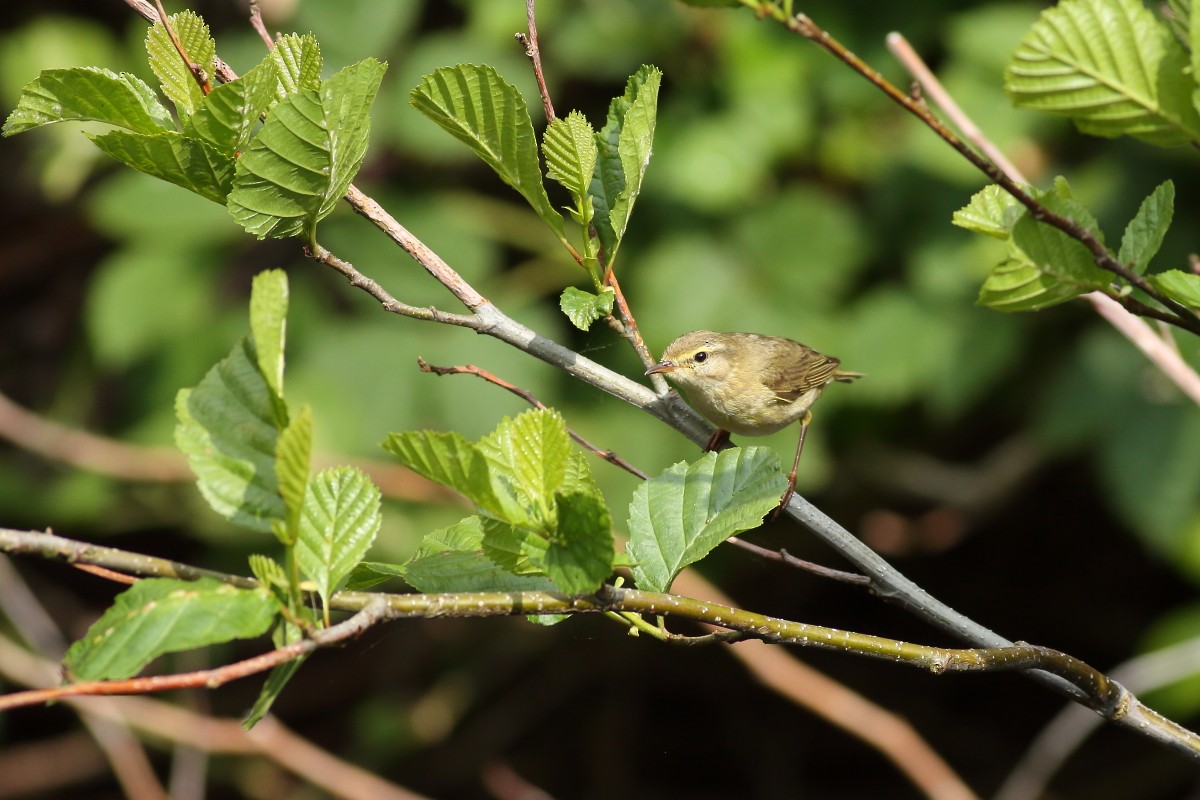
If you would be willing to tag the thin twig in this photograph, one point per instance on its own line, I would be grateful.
(1155, 347)
(803, 25)
(260, 27)
(534, 54)
(389, 303)
(197, 70)
(528, 396)
(371, 614)
(630, 328)
(168, 722)
(932, 88)
(784, 557)
(107, 574)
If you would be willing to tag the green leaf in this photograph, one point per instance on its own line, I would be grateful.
(1181, 286)
(478, 107)
(228, 114)
(452, 560)
(191, 163)
(992, 211)
(268, 324)
(302, 161)
(527, 461)
(340, 520)
(178, 82)
(1055, 253)
(298, 63)
(162, 615)
(584, 308)
(1018, 286)
(448, 459)
(612, 189)
(276, 681)
(1110, 65)
(285, 633)
(580, 554)
(676, 518)
(270, 573)
(569, 145)
(518, 550)
(227, 429)
(88, 93)
(293, 461)
(578, 475)
(1145, 232)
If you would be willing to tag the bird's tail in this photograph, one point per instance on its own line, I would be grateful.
(846, 377)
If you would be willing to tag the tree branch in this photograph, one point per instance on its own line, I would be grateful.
(1106, 697)
(1122, 316)
(803, 25)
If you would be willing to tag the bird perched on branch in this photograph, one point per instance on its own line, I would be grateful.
(750, 384)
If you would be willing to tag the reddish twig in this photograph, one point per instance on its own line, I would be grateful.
(372, 613)
(256, 22)
(529, 397)
(784, 557)
(1158, 348)
(630, 327)
(197, 70)
(107, 574)
(534, 54)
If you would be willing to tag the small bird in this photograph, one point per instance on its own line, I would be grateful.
(750, 384)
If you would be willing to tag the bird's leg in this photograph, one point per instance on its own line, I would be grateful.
(717, 440)
(791, 485)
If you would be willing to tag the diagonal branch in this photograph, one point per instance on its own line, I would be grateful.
(803, 25)
(1125, 320)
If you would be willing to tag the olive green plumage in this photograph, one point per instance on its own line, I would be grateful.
(747, 383)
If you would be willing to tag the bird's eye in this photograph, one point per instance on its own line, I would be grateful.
(700, 357)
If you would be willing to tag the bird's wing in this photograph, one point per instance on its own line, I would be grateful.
(797, 371)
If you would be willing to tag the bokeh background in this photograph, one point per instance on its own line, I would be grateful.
(1031, 470)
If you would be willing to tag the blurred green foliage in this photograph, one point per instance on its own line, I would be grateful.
(785, 196)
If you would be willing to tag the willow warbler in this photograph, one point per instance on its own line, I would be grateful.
(750, 384)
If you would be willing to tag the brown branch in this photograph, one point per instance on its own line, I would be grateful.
(107, 574)
(784, 557)
(88, 451)
(129, 462)
(534, 54)
(260, 27)
(529, 397)
(386, 300)
(371, 614)
(804, 26)
(171, 723)
(1154, 346)
(196, 69)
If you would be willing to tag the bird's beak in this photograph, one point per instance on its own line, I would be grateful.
(662, 366)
